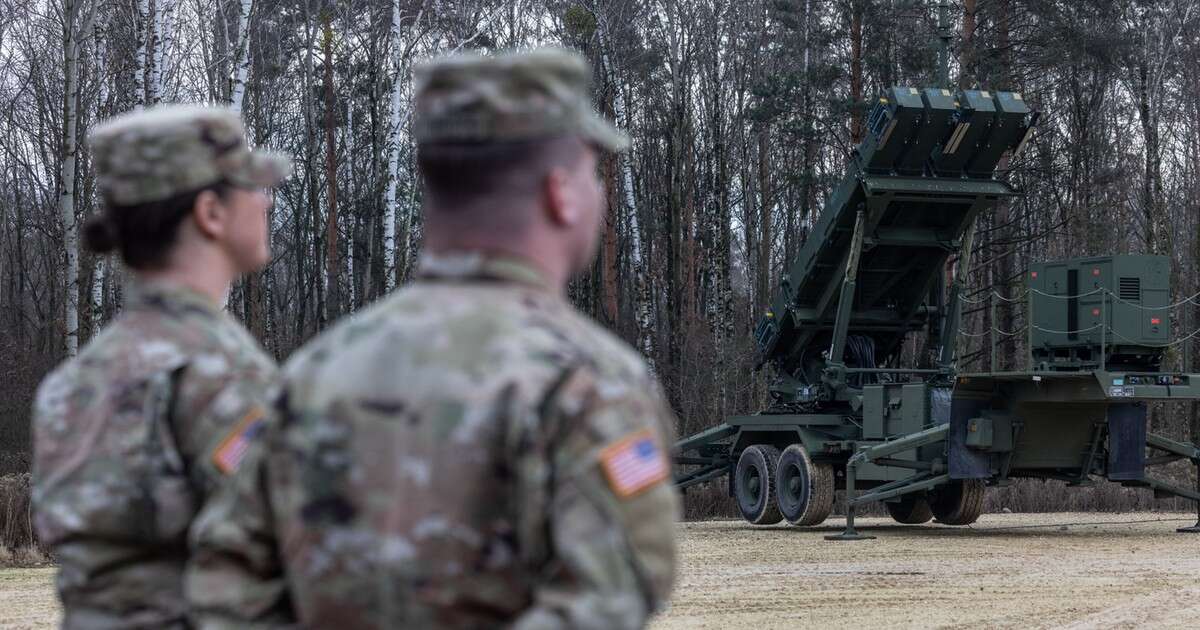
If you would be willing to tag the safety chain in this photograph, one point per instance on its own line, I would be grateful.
(1192, 299)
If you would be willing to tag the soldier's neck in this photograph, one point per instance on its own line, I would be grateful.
(554, 274)
(216, 291)
(209, 275)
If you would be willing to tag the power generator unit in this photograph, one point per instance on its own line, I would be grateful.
(1107, 311)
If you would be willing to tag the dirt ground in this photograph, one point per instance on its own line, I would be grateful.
(1007, 571)
(27, 598)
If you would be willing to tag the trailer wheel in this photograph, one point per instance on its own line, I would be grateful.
(754, 484)
(803, 488)
(912, 509)
(959, 502)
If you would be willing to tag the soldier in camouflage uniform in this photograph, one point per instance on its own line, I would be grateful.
(132, 434)
(471, 452)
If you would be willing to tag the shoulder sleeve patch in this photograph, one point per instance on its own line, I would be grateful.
(233, 447)
(634, 463)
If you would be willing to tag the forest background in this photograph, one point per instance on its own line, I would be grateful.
(742, 115)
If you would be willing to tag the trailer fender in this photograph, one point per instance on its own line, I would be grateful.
(966, 404)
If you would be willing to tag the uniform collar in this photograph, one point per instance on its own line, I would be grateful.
(162, 294)
(476, 265)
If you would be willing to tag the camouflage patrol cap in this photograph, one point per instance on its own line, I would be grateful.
(509, 97)
(168, 150)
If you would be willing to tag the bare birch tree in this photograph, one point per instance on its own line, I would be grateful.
(629, 211)
(77, 23)
(241, 55)
(395, 124)
(142, 27)
(163, 22)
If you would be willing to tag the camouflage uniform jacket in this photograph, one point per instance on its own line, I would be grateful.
(469, 453)
(129, 437)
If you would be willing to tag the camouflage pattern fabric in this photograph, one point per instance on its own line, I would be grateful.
(509, 97)
(129, 438)
(469, 453)
(169, 150)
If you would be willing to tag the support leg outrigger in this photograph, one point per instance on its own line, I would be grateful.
(851, 504)
(918, 482)
(1181, 450)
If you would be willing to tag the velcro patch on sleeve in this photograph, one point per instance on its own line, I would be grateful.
(634, 463)
(228, 455)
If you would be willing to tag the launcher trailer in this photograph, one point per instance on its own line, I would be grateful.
(849, 410)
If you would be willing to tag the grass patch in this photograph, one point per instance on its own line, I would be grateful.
(27, 556)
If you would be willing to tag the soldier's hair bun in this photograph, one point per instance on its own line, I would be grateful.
(100, 234)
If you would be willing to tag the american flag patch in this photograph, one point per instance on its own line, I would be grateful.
(634, 463)
(233, 448)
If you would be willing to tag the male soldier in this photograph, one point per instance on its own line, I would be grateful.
(132, 434)
(471, 452)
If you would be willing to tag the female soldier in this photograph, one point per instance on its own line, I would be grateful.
(131, 435)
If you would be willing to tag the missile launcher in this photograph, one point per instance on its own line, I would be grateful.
(850, 410)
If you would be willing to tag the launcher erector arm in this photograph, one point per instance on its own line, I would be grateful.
(862, 280)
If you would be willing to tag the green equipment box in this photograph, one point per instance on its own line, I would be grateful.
(1113, 307)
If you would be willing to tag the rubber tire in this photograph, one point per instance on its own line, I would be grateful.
(959, 502)
(814, 501)
(757, 505)
(912, 509)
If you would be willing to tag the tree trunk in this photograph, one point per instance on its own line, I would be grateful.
(609, 263)
(154, 80)
(97, 296)
(99, 268)
(252, 304)
(352, 205)
(688, 224)
(1002, 270)
(1004, 44)
(312, 247)
(1151, 187)
(642, 292)
(163, 13)
(256, 297)
(966, 60)
(808, 188)
(391, 258)
(856, 71)
(142, 28)
(766, 202)
(22, 283)
(332, 255)
(241, 63)
(70, 153)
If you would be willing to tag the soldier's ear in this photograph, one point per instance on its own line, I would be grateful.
(562, 207)
(210, 215)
